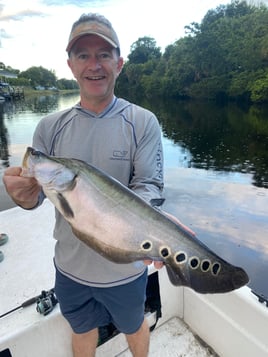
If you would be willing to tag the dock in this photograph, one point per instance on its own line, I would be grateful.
(9, 92)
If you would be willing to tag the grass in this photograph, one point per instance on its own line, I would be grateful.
(28, 92)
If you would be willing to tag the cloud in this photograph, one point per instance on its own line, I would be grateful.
(80, 3)
(21, 15)
(3, 34)
(10, 13)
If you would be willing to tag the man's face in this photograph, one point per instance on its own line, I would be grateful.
(95, 65)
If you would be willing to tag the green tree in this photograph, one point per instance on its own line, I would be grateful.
(229, 50)
(143, 50)
(225, 56)
(66, 84)
(259, 89)
(138, 72)
(39, 76)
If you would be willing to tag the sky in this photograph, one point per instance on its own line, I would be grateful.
(35, 32)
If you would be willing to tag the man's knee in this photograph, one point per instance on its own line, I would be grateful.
(139, 341)
(85, 344)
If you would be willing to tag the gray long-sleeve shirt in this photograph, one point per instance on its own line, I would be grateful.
(123, 141)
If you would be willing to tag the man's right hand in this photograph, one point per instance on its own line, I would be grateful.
(24, 191)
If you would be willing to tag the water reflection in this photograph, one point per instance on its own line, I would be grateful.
(228, 138)
(18, 120)
(230, 218)
(42, 104)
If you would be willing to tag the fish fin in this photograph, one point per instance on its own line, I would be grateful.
(222, 283)
(157, 202)
(67, 210)
(175, 278)
(230, 278)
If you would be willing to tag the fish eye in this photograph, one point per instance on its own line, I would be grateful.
(194, 262)
(216, 267)
(205, 265)
(180, 257)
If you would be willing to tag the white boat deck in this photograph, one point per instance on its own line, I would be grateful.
(232, 324)
(174, 339)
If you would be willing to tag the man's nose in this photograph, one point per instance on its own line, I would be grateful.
(94, 63)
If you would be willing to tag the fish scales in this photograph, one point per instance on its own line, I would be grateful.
(122, 227)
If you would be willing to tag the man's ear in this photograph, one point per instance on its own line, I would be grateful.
(120, 65)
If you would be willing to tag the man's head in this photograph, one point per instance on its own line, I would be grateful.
(94, 59)
(93, 24)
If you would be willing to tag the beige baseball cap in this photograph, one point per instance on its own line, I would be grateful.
(92, 27)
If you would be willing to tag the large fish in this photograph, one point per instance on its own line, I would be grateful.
(122, 227)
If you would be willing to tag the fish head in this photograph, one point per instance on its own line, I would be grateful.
(51, 173)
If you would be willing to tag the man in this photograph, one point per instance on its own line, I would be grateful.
(125, 141)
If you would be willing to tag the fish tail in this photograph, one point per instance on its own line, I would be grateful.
(203, 282)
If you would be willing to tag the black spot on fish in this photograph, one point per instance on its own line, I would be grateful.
(216, 268)
(164, 252)
(180, 257)
(194, 262)
(205, 265)
(146, 245)
(68, 212)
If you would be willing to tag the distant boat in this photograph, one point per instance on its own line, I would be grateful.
(8, 92)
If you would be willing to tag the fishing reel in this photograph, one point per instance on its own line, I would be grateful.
(46, 302)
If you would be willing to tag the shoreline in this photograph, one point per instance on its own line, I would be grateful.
(29, 92)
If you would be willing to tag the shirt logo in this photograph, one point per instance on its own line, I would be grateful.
(120, 155)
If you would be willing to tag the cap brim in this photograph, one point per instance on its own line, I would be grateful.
(76, 38)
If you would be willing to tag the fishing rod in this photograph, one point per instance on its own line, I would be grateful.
(46, 302)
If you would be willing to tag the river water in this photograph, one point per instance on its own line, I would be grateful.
(216, 170)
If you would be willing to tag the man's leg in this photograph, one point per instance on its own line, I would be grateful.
(84, 344)
(81, 310)
(139, 341)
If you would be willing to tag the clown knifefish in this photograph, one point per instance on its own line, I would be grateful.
(122, 227)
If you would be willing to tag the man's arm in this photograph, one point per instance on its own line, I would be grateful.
(147, 177)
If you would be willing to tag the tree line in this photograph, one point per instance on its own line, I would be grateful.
(39, 77)
(225, 57)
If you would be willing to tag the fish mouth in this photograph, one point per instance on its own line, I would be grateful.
(31, 152)
(27, 162)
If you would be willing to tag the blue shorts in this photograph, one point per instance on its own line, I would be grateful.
(86, 307)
